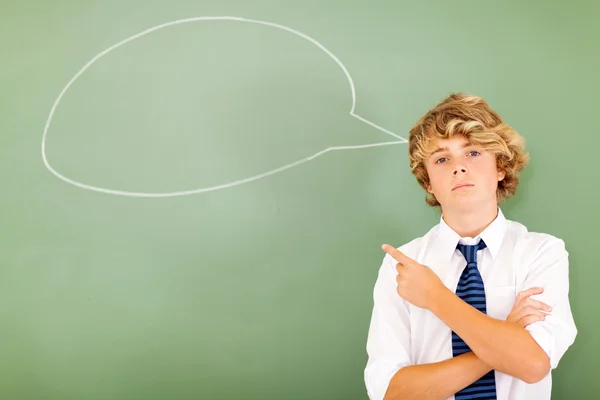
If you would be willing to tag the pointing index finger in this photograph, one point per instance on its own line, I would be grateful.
(396, 254)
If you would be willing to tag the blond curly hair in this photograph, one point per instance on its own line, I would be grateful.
(471, 116)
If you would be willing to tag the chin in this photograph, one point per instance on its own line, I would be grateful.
(463, 204)
(464, 207)
(469, 203)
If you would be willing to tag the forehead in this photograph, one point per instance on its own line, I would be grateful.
(454, 141)
(457, 142)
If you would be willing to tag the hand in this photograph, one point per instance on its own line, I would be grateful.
(417, 283)
(527, 310)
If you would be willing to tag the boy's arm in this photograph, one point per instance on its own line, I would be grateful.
(438, 380)
(389, 336)
(506, 346)
(443, 379)
(550, 270)
(390, 372)
(527, 354)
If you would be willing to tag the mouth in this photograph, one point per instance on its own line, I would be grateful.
(462, 185)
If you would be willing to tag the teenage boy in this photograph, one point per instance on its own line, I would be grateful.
(478, 307)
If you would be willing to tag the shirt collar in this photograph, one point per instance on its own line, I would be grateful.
(492, 235)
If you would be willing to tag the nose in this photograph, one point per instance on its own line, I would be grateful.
(459, 169)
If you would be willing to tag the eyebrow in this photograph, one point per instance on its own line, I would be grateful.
(441, 149)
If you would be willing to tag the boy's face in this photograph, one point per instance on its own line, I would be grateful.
(462, 176)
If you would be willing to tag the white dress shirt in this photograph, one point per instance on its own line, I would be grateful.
(401, 334)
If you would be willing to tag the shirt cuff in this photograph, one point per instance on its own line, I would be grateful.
(545, 339)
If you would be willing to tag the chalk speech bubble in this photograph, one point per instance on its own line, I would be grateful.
(398, 139)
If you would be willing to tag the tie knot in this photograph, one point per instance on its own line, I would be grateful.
(470, 251)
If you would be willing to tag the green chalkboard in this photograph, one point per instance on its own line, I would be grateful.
(194, 193)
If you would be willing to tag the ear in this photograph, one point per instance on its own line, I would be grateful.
(429, 189)
(501, 175)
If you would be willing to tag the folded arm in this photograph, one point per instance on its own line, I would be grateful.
(506, 346)
(390, 373)
(438, 380)
(525, 353)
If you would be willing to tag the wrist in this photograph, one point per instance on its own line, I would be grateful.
(442, 297)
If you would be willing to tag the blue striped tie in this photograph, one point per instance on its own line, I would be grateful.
(470, 288)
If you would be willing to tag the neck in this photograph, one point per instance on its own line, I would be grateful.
(470, 223)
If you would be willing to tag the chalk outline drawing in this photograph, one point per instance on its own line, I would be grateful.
(399, 140)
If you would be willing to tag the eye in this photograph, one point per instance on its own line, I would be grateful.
(440, 160)
(474, 151)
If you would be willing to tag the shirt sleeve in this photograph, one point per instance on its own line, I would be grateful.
(550, 271)
(388, 342)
